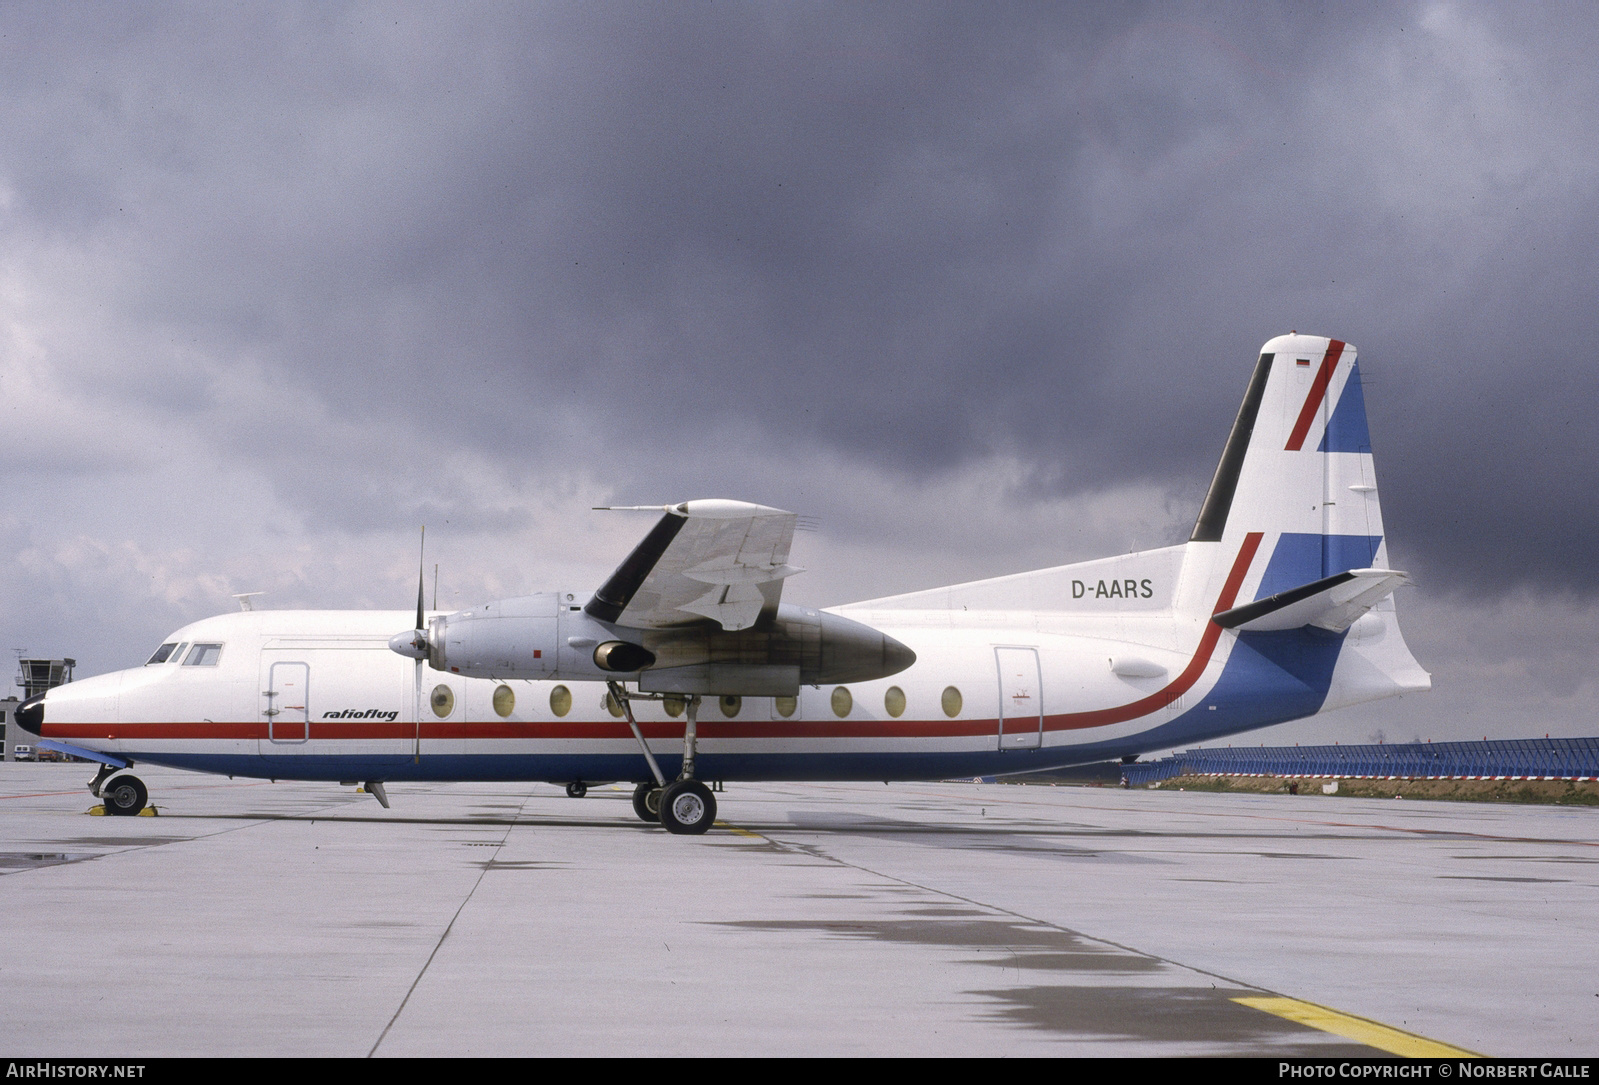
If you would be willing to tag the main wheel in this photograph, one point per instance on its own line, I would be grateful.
(124, 796)
(687, 808)
(576, 789)
(647, 802)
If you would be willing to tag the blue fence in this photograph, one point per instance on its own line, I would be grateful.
(1560, 758)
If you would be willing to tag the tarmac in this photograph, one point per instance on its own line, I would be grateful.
(257, 918)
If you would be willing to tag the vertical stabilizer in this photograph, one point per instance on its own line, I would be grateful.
(1298, 460)
(1296, 490)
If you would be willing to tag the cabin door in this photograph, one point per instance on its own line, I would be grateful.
(1021, 701)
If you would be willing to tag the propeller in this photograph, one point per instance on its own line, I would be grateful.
(414, 643)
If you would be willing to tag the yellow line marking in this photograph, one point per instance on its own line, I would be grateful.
(734, 829)
(1382, 1037)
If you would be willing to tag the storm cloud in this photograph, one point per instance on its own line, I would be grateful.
(976, 287)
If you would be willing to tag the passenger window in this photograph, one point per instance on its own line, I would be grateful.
(894, 701)
(442, 700)
(163, 653)
(951, 701)
(504, 701)
(203, 655)
(842, 702)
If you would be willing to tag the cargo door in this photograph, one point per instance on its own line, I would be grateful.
(360, 710)
(286, 703)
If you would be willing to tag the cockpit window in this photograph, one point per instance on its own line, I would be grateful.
(162, 653)
(203, 655)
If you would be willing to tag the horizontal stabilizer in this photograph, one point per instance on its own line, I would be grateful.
(1332, 603)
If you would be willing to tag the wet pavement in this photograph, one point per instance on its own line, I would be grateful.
(932, 919)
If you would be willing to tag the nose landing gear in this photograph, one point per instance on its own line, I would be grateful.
(124, 796)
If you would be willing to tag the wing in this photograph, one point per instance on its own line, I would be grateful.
(722, 560)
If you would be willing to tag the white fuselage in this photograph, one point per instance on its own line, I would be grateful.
(319, 695)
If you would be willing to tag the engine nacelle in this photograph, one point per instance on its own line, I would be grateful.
(549, 636)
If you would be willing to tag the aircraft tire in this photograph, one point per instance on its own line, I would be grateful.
(647, 802)
(124, 796)
(687, 808)
(576, 789)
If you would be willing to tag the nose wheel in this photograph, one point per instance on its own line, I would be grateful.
(125, 796)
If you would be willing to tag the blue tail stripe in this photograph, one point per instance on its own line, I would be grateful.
(1301, 557)
(1346, 429)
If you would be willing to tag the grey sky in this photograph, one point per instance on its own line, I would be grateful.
(976, 286)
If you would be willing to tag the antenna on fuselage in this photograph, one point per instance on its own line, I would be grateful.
(245, 598)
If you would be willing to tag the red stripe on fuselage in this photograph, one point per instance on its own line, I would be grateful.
(332, 730)
(476, 729)
(1072, 721)
(1318, 391)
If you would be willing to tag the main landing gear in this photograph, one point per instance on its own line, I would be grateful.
(647, 802)
(685, 807)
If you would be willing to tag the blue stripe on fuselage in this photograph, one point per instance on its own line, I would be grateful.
(1269, 678)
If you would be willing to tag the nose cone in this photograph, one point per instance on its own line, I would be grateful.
(30, 715)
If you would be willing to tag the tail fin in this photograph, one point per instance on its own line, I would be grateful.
(1297, 488)
(1299, 458)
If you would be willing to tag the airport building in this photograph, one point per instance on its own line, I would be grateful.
(34, 676)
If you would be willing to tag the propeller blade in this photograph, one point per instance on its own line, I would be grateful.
(421, 568)
(421, 641)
